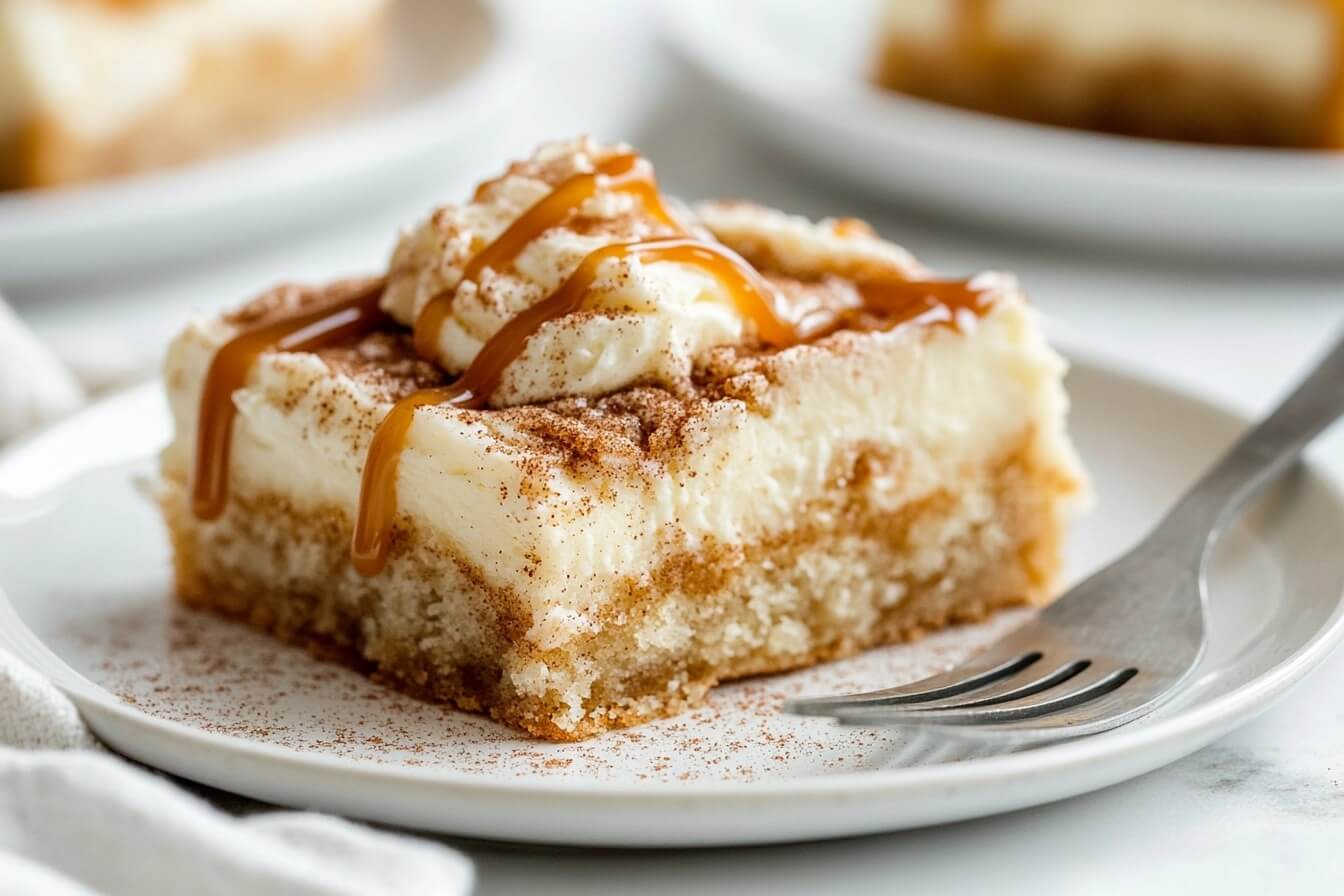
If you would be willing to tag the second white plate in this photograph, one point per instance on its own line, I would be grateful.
(85, 573)
(448, 73)
(795, 70)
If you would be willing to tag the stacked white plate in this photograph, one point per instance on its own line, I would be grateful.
(451, 67)
(795, 70)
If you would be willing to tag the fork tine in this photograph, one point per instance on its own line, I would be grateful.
(980, 672)
(1097, 681)
(1116, 709)
(1043, 675)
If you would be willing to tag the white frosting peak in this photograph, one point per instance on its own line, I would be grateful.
(642, 321)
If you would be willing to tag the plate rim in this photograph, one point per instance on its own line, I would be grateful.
(287, 166)
(1218, 714)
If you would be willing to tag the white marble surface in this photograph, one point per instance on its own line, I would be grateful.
(1260, 811)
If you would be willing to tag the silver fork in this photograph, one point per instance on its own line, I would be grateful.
(1121, 643)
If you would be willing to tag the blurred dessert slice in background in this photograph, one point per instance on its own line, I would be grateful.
(1251, 72)
(98, 88)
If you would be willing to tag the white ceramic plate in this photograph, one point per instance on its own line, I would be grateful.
(795, 70)
(450, 70)
(86, 576)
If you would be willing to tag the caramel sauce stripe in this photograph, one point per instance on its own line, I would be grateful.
(626, 173)
(348, 318)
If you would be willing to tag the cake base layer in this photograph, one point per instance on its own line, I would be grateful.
(233, 97)
(1159, 98)
(846, 578)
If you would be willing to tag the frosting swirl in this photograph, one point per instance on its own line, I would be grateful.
(642, 320)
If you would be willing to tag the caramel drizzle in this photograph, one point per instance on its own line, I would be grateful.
(931, 302)
(626, 173)
(349, 318)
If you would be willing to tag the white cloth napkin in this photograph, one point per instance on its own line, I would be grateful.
(35, 387)
(76, 820)
(43, 380)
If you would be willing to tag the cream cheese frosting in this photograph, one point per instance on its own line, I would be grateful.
(642, 322)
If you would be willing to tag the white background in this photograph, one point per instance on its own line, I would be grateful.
(1260, 811)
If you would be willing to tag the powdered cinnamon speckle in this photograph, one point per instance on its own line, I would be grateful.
(292, 298)
(224, 678)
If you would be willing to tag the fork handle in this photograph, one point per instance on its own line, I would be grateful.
(1264, 452)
